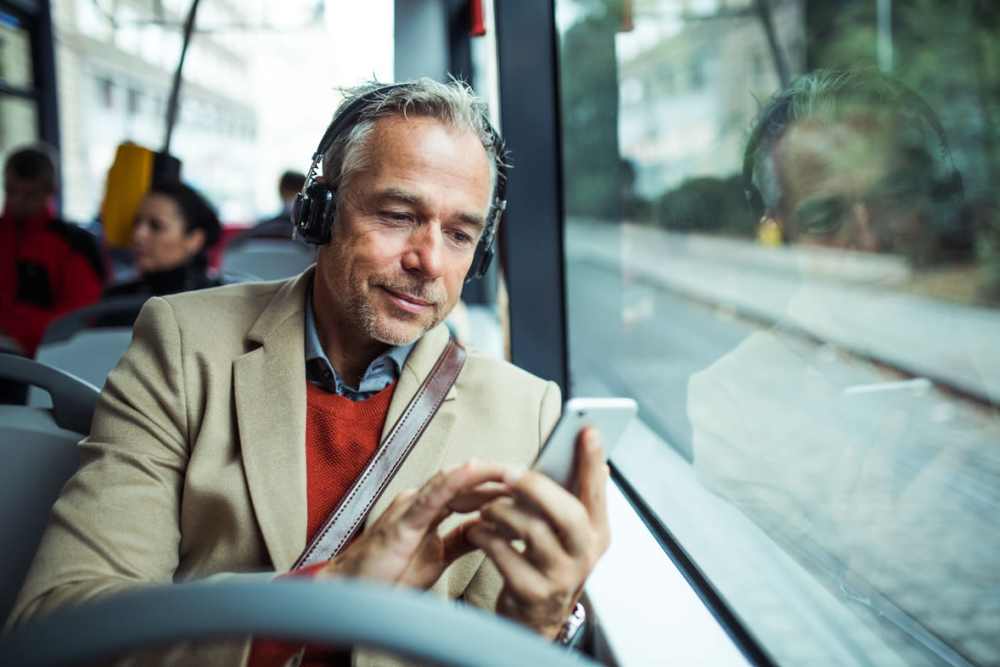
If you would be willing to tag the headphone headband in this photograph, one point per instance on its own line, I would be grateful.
(315, 207)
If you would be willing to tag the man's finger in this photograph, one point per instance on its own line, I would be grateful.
(397, 508)
(472, 501)
(515, 521)
(433, 497)
(518, 574)
(456, 543)
(567, 516)
(592, 476)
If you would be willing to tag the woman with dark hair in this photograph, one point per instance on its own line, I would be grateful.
(173, 230)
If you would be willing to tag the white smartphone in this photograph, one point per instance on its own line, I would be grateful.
(611, 416)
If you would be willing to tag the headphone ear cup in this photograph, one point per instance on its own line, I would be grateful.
(481, 261)
(313, 212)
(485, 250)
(300, 210)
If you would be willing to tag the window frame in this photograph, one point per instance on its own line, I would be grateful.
(532, 247)
(36, 19)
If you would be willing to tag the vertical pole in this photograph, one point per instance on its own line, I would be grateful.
(44, 62)
(766, 17)
(884, 44)
(532, 228)
(175, 89)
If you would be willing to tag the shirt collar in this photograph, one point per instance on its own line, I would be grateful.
(383, 370)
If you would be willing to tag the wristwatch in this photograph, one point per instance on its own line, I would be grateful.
(570, 632)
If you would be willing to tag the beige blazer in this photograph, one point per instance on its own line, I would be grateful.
(195, 464)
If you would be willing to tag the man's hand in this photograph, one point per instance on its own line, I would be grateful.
(563, 535)
(403, 545)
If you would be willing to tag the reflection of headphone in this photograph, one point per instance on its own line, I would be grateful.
(946, 189)
(315, 207)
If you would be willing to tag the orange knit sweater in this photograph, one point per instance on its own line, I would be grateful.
(341, 437)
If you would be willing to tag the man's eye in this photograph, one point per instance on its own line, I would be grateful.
(396, 216)
(461, 238)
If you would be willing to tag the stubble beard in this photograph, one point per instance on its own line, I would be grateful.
(385, 327)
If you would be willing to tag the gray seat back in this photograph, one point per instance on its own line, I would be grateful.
(265, 259)
(89, 354)
(40, 453)
(70, 324)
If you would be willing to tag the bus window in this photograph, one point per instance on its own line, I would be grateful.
(18, 109)
(782, 237)
(259, 85)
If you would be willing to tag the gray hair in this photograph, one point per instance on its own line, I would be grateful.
(453, 103)
(830, 94)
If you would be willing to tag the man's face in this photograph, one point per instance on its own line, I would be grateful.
(836, 179)
(406, 231)
(24, 198)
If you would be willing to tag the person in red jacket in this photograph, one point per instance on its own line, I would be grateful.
(47, 267)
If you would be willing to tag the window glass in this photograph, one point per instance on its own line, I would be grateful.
(18, 125)
(260, 85)
(18, 122)
(15, 54)
(783, 239)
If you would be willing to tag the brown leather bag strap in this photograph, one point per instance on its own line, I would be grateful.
(346, 519)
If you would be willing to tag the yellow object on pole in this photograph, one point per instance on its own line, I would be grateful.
(769, 233)
(128, 181)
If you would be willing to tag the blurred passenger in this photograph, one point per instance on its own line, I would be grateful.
(173, 231)
(47, 267)
(280, 226)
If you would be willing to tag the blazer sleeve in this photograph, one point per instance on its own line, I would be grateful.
(484, 588)
(115, 524)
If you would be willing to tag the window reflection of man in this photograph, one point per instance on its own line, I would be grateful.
(852, 161)
(867, 481)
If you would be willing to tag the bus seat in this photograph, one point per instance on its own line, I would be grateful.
(90, 355)
(40, 453)
(267, 259)
(88, 342)
(118, 312)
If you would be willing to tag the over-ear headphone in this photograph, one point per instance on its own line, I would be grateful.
(315, 207)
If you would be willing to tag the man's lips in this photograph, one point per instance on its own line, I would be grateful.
(408, 301)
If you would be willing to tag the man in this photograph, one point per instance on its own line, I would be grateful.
(280, 226)
(211, 448)
(47, 267)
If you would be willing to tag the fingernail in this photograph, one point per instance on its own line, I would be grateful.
(512, 474)
(593, 438)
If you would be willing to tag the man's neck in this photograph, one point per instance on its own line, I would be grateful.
(349, 357)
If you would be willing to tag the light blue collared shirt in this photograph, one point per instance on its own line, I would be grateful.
(382, 372)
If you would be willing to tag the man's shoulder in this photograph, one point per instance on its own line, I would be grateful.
(214, 297)
(218, 310)
(501, 377)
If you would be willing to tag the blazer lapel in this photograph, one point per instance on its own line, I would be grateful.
(270, 395)
(426, 456)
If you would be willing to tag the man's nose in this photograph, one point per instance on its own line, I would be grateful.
(425, 252)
